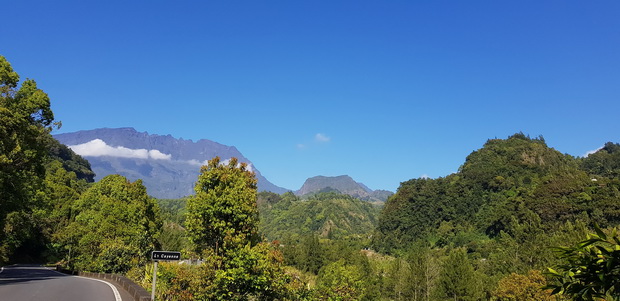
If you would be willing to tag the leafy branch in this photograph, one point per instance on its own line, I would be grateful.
(591, 270)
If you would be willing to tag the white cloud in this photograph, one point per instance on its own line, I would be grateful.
(321, 138)
(157, 155)
(424, 176)
(592, 151)
(98, 148)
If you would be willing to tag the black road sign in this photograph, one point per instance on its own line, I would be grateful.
(165, 255)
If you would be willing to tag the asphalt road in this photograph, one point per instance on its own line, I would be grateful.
(32, 282)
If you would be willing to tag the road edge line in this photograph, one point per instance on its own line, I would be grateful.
(117, 295)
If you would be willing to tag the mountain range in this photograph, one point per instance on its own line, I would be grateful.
(169, 166)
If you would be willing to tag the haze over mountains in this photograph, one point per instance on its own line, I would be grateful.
(169, 166)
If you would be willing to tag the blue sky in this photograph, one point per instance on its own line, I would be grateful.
(383, 91)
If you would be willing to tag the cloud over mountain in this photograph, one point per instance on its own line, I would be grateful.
(168, 166)
(98, 148)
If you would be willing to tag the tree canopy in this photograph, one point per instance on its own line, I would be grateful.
(223, 211)
(330, 214)
(115, 226)
(506, 183)
(25, 122)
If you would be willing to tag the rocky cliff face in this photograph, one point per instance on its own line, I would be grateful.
(168, 166)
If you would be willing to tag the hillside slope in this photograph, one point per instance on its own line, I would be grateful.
(329, 215)
(505, 185)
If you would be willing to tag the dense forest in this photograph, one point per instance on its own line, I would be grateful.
(490, 231)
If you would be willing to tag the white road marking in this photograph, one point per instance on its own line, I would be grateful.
(117, 295)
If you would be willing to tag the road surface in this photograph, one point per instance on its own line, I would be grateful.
(33, 282)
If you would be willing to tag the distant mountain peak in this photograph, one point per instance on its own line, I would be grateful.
(343, 184)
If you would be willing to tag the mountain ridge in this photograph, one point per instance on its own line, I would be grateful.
(343, 184)
(167, 165)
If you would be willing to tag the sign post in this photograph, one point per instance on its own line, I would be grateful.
(154, 281)
(157, 256)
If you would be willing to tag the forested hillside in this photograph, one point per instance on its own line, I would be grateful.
(504, 184)
(330, 215)
(502, 213)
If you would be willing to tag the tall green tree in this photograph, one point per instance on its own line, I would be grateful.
(25, 122)
(341, 281)
(516, 287)
(424, 271)
(310, 256)
(398, 280)
(62, 189)
(223, 212)
(115, 227)
(457, 280)
(222, 226)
